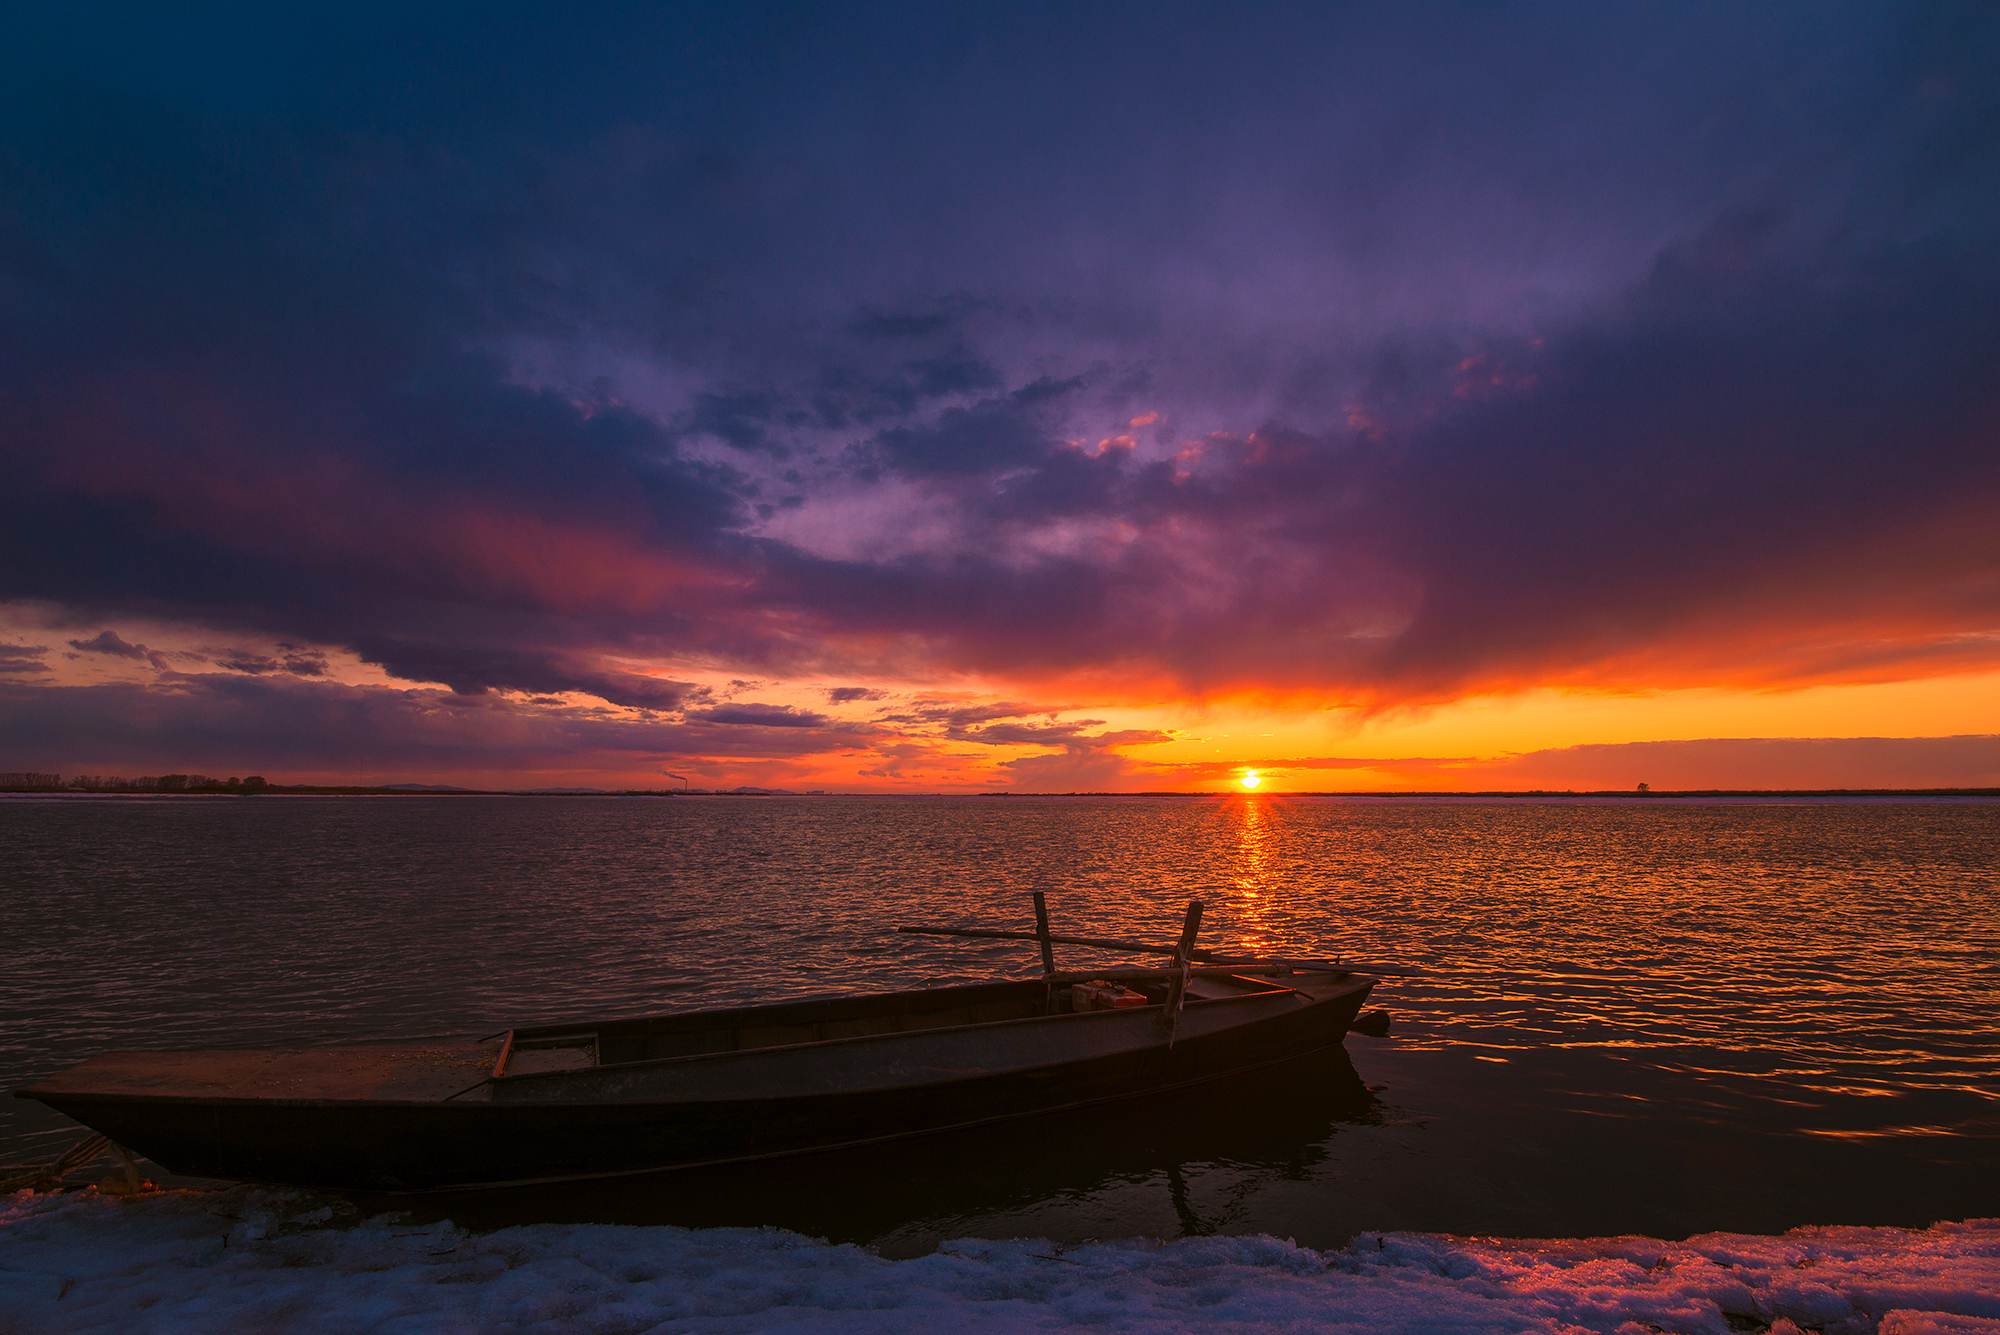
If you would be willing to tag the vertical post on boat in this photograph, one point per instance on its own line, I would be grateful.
(1183, 963)
(1048, 953)
(1042, 934)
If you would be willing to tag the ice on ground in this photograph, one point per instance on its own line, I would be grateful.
(264, 1260)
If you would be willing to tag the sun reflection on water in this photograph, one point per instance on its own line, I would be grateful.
(1255, 857)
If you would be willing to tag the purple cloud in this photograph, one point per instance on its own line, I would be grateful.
(1448, 353)
(760, 715)
(228, 723)
(23, 658)
(109, 642)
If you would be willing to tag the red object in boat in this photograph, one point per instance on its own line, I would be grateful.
(1099, 995)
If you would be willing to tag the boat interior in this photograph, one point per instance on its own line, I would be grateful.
(700, 1033)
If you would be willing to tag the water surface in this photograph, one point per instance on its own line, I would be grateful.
(1653, 1017)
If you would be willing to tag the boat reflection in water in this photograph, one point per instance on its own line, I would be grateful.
(1111, 1170)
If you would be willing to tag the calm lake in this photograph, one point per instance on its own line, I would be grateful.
(1656, 1017)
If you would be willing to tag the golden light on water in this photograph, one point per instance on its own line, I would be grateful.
(1250, 779)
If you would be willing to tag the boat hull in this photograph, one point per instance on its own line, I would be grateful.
(648, 1115)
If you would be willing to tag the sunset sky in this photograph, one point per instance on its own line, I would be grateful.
(975, 398)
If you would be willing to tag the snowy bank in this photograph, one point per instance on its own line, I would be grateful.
(279, 1261)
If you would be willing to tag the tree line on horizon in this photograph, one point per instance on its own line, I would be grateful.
(160, 783)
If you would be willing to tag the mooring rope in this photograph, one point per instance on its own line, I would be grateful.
(80, 1153)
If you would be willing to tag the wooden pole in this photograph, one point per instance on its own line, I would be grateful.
(1185, 950)
(1042, 932)
(1177, 990)
(1049, 989)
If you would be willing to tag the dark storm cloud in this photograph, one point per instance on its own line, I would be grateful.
(842, 392)
(110, 642)
(471, 670)
(245, 382)
(1723, 460)
(220, 722)
(226, 722)
(753, 714)
(996, 435)
(292, 658)
(237, 660)
(302, 661)
(1736, 427)
(741, 420)
(845, 695)
(1007, 724)
(900, 326)
(965, 722)
(950, 374)
(23, 658)
(945, 316)
(1388, 353)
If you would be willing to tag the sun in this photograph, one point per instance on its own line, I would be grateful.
(1250, 779)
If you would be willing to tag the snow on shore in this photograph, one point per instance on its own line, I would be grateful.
(277, 1261)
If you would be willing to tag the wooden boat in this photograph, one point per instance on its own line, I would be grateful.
(626, 1095)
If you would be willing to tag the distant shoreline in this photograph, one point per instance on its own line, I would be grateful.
(1546, 795)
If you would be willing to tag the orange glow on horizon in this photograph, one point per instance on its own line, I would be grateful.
(873, 732)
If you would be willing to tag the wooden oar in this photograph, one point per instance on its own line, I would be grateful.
(1198, 971)
(1137, 947)
(1331, 966)
(1142, 948)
